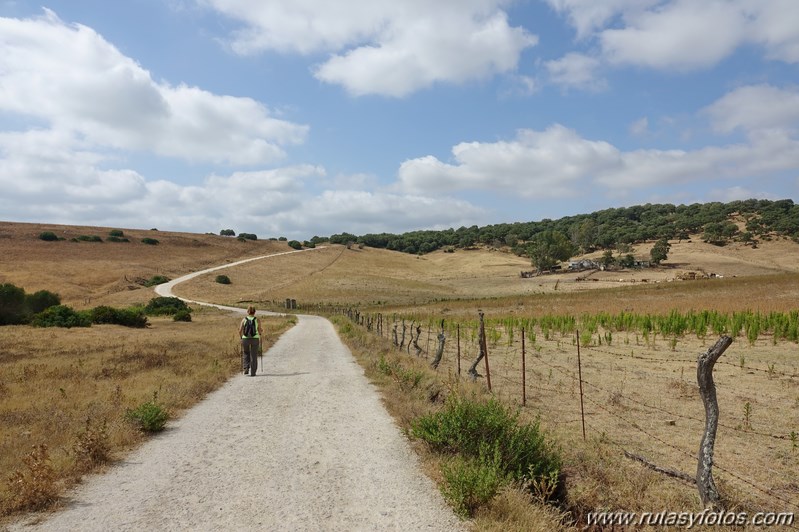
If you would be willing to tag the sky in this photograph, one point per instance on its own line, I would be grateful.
(309, 118)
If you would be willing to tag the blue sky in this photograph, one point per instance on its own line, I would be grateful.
(314, 117)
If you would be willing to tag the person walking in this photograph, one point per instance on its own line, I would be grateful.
(250, 332)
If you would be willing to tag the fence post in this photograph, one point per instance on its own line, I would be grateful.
(459, 349)
(484, 348)
(580, 377)
(707, 389)
(524, 374)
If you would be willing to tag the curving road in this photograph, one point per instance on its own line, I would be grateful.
(304, 445)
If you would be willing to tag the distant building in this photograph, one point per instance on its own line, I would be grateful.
(584, 264)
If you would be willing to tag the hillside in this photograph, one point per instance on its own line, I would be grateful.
(91, 273)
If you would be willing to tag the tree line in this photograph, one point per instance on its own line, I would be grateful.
(608, 229)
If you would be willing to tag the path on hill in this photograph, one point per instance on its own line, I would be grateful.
(303, 445)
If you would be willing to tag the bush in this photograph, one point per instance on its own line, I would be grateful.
(156, 280)
(117, 239)
(149, 241)
(131, 317)
(92, 446)
(48, 236)
(295, 244)
(223, 279)
(35, 486)
(116, 232)
(149, 416)
(182, 315)
(227, 232)
(482, 430)
(41, 300)
(89, 238)
(61, 316)
(470, 483)
(165, 306)
(12, 304)
(247, 236)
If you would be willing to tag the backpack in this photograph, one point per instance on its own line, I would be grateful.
(249, 328)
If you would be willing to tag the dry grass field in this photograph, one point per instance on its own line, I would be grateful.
(640, 393)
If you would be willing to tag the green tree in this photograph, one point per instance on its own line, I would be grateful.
(548, 248)
(660, 251)
(607, 259)
(12, 304)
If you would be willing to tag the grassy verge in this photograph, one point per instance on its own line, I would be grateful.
(74, 400)
(477, 450)
(460, 452)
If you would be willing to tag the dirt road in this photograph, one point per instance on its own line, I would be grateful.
(303, 445)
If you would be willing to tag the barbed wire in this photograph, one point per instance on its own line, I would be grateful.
(509, 369)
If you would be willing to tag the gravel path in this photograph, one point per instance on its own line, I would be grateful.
(303, 445)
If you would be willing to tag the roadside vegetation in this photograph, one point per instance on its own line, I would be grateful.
(84, 397)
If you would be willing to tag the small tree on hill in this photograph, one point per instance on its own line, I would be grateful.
(549, 248)
(660, 251)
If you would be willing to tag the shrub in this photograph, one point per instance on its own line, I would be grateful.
(92, 446)
(149, 416)
(470, 483)
(131, 317)
(479, 430)
(117, 239)
(156, 280)
(48, 236)
(223, 279)
(247, 236)
(12, 304)
(227, 232)
(89, 238)
(61, 316)
(34, 486)
(295, 244)
(149, 241)
(165, 306)
(182, 315)
(41, 300)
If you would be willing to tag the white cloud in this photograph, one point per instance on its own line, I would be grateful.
(684, 34)
(756, 107)
(737, 193)
(575, 70)
(677, 35)
(73, 80)
(558, 162)
(362, 212)
(383, 46)
(550, 163)
(588, 16)
(640, 127)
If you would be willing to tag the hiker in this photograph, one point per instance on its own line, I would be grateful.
(250, 332)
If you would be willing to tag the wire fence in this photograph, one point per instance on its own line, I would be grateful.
(639, 394)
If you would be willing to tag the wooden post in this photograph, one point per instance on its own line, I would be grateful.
(459, 349)
(708, 492)
(524, 373)
(580, 376)
(484, 346)
(440, 349)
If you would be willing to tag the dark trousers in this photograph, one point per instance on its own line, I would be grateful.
(249, 354)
